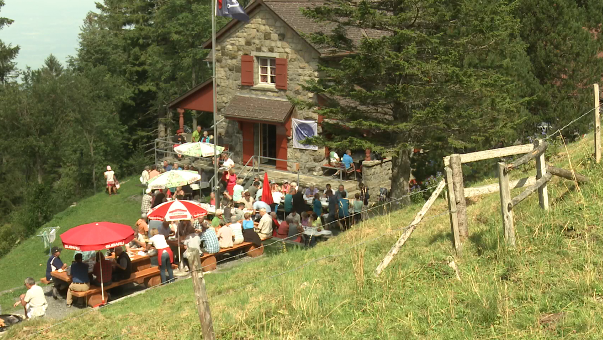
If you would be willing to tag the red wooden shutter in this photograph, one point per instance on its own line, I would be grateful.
(247, 129)
(281, 73)
(247, 70)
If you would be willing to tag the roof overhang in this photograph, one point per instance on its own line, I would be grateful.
(198, 98)
(258, 110)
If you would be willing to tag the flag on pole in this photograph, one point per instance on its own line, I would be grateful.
(231, 9)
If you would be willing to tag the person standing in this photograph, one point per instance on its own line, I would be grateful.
(110, 176)
(165, 256)
(80, 282)
(299, 204)
(147, 201)
(144, 177)
(231, 181)
(33, 300)
(54, 263)
(237, 191)
(153, 173)
(197, 134)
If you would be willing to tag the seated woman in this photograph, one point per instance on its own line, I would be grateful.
(225, 235)
(283, 228)
(249, 234)
(105, 274)
(179, 194)
(305, 219)
(165, 257)
(191, 241)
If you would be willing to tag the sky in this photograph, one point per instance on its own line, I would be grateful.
(44, 27)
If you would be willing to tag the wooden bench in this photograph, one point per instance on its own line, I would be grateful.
(209, 263)
(150, 277)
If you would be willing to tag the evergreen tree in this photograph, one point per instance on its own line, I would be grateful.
(7, 53)
(442, 76)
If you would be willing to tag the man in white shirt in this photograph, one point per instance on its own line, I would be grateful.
(33, 300)
(264, 228)
(228, 163)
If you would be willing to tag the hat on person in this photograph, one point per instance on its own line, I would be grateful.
(143, 216)
(286, 181)
(55, 249)
(108, 168)
(219, 212)
(148, 191)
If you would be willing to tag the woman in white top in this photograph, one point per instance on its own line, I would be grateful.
(165, 257)
(237, 230)
(110, 176)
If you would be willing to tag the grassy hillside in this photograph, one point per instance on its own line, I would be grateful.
(548, 287)
(29, 258)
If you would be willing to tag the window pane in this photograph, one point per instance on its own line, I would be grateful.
(272, 71)
(263, 61)
(272, 62)
(264, 79)
(273, 79)
(264, 70)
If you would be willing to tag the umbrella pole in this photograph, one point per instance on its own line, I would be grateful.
(179, 254)
(102, 282)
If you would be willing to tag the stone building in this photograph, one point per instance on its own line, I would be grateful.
(259, 66)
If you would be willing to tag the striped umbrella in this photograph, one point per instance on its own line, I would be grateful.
(176, 210)
(174, 178)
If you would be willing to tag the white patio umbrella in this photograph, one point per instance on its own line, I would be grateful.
(198, 149)
(174, 178)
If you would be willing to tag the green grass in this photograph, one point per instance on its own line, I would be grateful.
(548, 287)
(29, 258)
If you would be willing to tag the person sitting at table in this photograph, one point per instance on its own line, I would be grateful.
(264, 228)
(159, 198)
(104, 266)
(315, 221)
(347, 159)
(333, 158)
(165, 256)
(122, 266)
(247, 222)
(218, 217)
(137, 242)
(237, 230)
(205, 138)
(54, 263)
(299, 203)
(340, 191)
(210, 241)
(141, 224)
(191, 241)
(165, 229)
(310, 191)
(295, 229)
(225, 235)
(295, 216)
(317, 205)
(237, 191)
(239, 213)
(285, 187)
(147, 202)
(248, 200)
(275, 223)
(261, 205)
(283, 229)
(327, 188)
(80, 281)
(33, 300)
(305, 219)
(179, 194)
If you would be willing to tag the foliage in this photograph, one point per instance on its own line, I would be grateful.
(7, 54)
(439, 76)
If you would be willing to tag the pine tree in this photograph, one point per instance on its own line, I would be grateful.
(443, 76)
(8, 53)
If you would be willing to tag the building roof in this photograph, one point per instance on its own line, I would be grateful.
(258, 109)
(192, 92)
(289, 11)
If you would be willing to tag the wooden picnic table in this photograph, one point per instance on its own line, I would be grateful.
(139, 263)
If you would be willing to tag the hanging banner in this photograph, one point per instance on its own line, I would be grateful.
(303, 129)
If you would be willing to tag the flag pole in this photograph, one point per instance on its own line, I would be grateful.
(214, 94)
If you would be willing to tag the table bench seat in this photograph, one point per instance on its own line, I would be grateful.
(149, 276)
(209, 263)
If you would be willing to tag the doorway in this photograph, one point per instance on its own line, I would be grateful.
(268, 143)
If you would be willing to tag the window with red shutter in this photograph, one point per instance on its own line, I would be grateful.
(281, 73)
(247, 70)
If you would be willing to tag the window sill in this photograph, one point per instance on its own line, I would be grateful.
(265, 87)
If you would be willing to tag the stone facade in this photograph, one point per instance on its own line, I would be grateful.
(266, 35)
(377, 174)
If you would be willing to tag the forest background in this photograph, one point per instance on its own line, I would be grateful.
(465, 75)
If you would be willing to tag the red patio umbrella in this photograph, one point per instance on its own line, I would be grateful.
(97, 236)
(266, 192)
(176, 210)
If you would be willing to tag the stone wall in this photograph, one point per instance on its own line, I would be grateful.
(377, 174)
(266, 36)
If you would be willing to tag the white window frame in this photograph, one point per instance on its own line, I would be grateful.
(271, 64)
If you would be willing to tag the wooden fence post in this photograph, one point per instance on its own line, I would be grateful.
(459, 194)
(505, 204)
(597, 125)
(201, 296)
(454, 223)
(543, 196)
